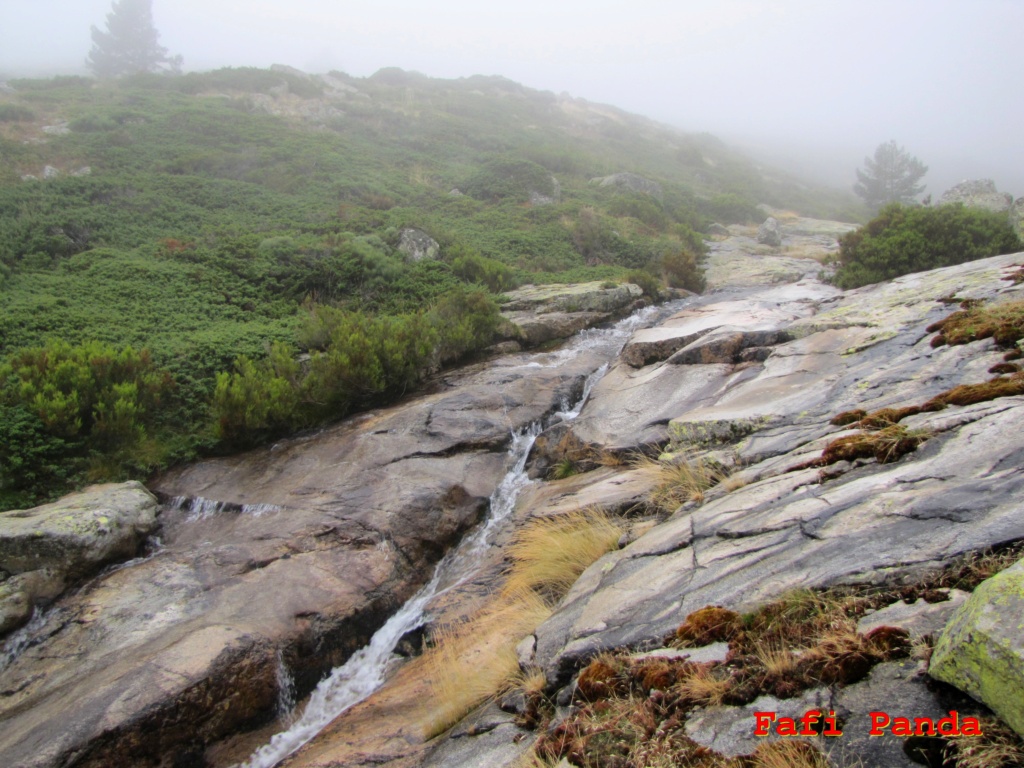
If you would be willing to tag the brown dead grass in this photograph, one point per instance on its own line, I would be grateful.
(788, 754)
(549, 554)
(1003, 322)
(678, 480)
(998, 747)
(473, 661)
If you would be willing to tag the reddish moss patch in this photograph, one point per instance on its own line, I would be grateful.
(885, 445)
(968, 394)
(1003, 322)
(708, 625)
(1004, 368)
(848, 417)
(1017, 276)
(601, 679)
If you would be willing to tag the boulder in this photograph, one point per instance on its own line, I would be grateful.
(549, 312)
(718, 230)
(631, 182)
(418, 245)
(769, 234)
(47, 548)
(80, 533)
(981, 651)
(978, 193)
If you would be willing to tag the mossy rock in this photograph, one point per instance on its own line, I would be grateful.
(981, 650)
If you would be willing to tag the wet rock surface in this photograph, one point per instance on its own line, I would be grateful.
(874, 523)
(302, 549)
(546, 313)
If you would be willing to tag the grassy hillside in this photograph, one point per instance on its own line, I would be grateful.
(195, 233)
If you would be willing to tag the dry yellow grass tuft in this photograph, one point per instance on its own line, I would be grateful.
(475, 660)
(789, 754)
(999, 747)
(549, 554)
(776, 658)
(704, 686)
(678, 480)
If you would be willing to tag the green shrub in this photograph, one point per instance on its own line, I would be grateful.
(648, 282)
(681, 269)
(62, 404)
(510, 178)
(730, 208)
(903, 239)
(15, 113)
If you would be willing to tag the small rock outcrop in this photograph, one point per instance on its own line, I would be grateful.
(418, 245)
(768, 233)
(978, 193)
(46, 548)
(981, 651)
(548, 312)
(631, 182)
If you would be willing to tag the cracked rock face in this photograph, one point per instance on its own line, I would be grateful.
(960, 491)
(302, 549)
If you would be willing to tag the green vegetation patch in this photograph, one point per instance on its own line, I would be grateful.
(904, 239)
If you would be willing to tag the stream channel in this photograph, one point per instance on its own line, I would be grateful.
(366, 670)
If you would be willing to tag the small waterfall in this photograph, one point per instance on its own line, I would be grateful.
(285, 690)
(199, 508)
(20, 639)
(366, 670)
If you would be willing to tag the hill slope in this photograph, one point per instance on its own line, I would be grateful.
(207, 217)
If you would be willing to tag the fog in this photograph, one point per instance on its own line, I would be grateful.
(813, 84)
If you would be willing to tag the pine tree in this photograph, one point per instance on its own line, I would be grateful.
(131, 43)
(892, 176)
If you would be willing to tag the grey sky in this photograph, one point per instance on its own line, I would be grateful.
(820, 82)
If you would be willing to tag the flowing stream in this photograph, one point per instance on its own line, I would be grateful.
(366, 670)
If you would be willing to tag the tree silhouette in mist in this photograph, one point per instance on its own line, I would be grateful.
(130, 44)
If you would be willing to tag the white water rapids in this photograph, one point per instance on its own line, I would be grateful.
(366, 670)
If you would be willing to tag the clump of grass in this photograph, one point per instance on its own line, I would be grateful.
(998, 747)
(562, 469)
(549, 554)
(473, 661)
(968, 571)
(800, 618)
(848, 417)
(788, 754)
(708, 625)
(1003, 322)
(968, 394)
(679, 480)
(706, 686)
(885, 445)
